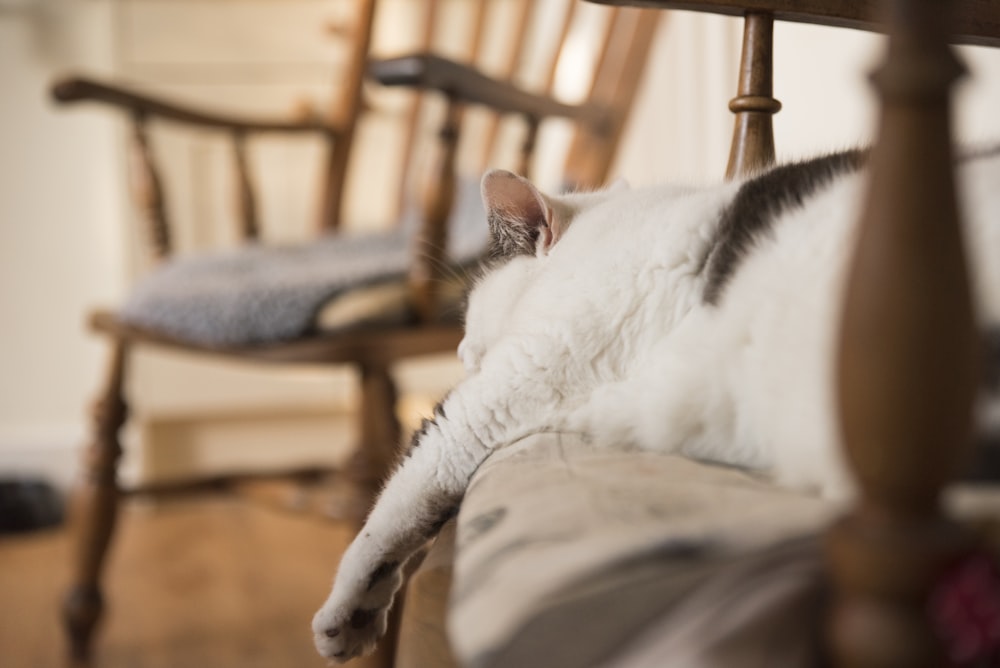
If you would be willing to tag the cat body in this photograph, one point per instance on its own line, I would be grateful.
(699, 321)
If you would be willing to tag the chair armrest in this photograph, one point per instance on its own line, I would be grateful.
(975, 22)
(77, 89)
(467, 84)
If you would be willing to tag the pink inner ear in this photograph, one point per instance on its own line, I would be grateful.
(514, 198)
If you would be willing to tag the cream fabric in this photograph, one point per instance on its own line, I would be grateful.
(567, 552)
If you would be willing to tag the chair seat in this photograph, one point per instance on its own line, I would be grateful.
(261, 294)
(371, 344)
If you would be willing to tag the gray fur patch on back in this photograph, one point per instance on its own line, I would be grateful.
(756, 206)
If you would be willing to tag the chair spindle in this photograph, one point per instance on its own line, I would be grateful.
(433, 235)
(245, 199)
(528, 147)
(615, 84)
(754, 104)
(907, 366)
(506, 72)
(344, 117)
(414, 103)
(147, 189)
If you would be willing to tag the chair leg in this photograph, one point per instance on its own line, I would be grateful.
(379, 435)
(97, 508)
(370, 465)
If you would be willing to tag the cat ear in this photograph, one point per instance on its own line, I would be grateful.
(522, 220)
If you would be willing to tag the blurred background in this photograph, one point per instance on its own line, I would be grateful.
(68, 233)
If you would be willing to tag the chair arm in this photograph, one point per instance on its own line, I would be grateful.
(974, 22)
(77, 89)
(467, 84)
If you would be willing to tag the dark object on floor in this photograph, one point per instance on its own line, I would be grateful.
(28, 505)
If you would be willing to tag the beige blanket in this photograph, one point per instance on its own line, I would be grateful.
(570, 555)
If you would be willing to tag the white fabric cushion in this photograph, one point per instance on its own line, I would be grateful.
(573, 555)
(567, 551)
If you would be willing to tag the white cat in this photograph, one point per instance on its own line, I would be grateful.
(699, 321)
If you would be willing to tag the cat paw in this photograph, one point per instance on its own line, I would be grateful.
(350, 624)
(347, 634)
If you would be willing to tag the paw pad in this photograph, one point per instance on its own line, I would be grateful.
(362, 618)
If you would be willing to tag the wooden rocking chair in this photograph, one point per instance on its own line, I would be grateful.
(372, 346)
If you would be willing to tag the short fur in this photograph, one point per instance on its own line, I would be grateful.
(698, 321)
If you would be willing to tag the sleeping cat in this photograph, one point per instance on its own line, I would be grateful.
(698, 321)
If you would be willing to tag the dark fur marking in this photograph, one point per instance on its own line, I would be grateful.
(758, 203)
(384, 570)
(425, 425)
(341, 654)
(419, 434)
(362, 618)
(442, 519)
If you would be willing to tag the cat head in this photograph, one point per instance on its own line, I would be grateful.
(525, 225)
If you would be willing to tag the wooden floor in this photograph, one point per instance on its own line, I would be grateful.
(207, 582)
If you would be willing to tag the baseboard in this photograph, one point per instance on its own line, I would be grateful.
(49, 452)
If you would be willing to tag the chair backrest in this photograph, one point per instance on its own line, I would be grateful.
(572, 62)
(158, 167)
(567, 50)
(383, 149)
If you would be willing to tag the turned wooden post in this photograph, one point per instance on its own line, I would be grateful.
(246, 203)
(907, 367)
(754, 104)
(615, 85)
(344, 117)
(147, 189)
(379, 435)
(528, 147)
(96, 510)
(432, 238)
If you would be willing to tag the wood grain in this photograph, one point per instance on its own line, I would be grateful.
(754, 105)
(201, 581)
(975, 21)
(907, 365)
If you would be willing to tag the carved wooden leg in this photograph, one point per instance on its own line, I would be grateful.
(378, 443)
(908, 368)
(97, 508)
(379, 436)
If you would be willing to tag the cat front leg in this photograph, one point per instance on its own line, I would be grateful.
(423, 493)
(409, 512)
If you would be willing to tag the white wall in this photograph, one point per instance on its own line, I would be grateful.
(681, 128)
(60, 246)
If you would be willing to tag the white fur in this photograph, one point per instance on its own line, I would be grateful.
(606, 334)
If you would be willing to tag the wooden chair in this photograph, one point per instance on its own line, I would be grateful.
(908, 368)
(621, 45)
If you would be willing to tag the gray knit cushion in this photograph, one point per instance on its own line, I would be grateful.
(262, 294)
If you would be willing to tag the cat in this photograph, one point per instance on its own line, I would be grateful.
(697, 320)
